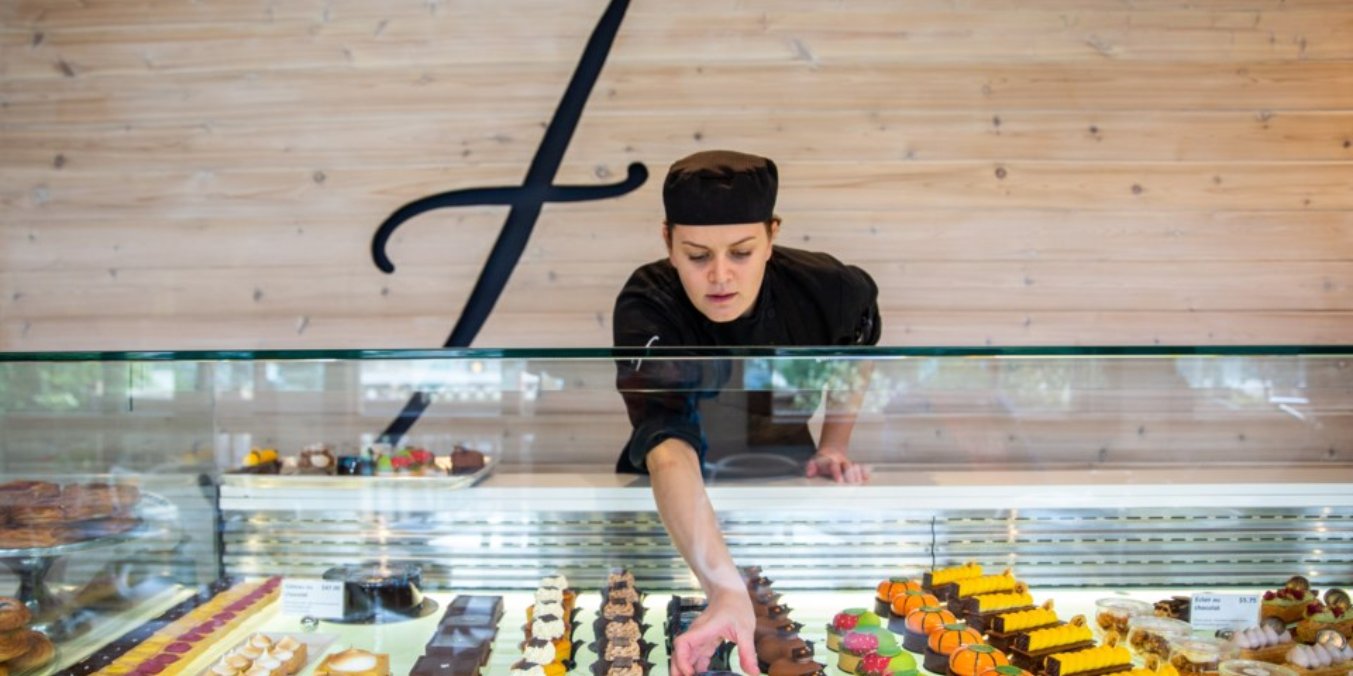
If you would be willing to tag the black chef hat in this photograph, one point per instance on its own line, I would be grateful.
(720, 187)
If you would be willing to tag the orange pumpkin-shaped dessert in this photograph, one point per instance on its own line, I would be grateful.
(889, 588)
(921, 622)
(904, 603)
(975, 659)
(943, 641)
(951, 637)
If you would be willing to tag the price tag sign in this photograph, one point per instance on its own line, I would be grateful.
(1212, 611)
(314, 598)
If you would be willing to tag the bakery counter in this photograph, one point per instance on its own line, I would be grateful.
(403, 642)
(1064, 527)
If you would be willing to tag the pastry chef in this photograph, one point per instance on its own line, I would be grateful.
(725, 283)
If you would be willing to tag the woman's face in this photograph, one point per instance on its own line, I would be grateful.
(721, 266)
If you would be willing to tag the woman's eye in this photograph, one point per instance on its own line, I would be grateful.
(741, 254)
(698, 259)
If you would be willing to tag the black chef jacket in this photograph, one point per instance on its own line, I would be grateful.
(806, 299)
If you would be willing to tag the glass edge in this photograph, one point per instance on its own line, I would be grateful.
(743, 352)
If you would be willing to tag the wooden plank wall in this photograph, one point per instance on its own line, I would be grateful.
(209, 174)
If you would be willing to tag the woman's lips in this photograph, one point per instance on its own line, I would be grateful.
(720, 298)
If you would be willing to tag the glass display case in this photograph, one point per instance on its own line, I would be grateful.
(162, 510)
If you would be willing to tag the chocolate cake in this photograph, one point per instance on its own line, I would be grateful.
(375, 590)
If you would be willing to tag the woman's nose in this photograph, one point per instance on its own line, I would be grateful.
(718, 271)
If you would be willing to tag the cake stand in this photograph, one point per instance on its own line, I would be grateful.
(31, 565)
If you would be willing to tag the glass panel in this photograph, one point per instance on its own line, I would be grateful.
(1154, 471)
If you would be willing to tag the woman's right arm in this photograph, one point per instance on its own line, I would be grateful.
(679, 491)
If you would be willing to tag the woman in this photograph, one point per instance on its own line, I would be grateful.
(725, 283)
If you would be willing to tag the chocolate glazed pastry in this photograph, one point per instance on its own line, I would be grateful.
(780, 645)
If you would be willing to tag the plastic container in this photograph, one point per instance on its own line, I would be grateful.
(1253, 668)
(1203, 654)
(1151, 635)
(1112, 614)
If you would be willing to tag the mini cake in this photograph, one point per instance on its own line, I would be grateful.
(942, 642)
(1320, 659)
(1263, 644)
(1112, 614)
(767, 625)
(921, 622)
(1198, 655)
(1289, 603)
(261, 461)
(975, 659)
(781, 645)
(903, 604)
(946, 576)
(804, 666)
(1175, 608)
(317, 458)
(414, 461)
(891, 588)
(980, 610)
(886, 662)
(1320, 617)
(846, 621)
(1029, 649)
(1151, 635)
(856, 644)
(371, 589)
(1004, 628)
(1091, 661)
(986, 584)
(466, 461)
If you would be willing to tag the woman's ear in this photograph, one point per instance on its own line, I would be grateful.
(667, 235)
(774, 230)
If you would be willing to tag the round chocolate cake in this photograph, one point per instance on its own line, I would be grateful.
(372, 590)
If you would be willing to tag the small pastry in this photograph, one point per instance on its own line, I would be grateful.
(1289, 603)
(628, 629)
(549, 595)
(846, 621)
(921, 622)
(539, 650)
(975, 659)
(896, 662)
(618, 610)
(622, 647)
(548, 627)
(1263, 644)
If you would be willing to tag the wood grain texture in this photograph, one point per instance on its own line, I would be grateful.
(209, 174)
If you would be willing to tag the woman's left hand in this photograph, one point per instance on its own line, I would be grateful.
(830, 463)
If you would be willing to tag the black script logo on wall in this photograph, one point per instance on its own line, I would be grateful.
(525, 202)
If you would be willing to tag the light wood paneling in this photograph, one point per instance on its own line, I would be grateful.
(358, 38)
(329, 142)
(210, 174)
